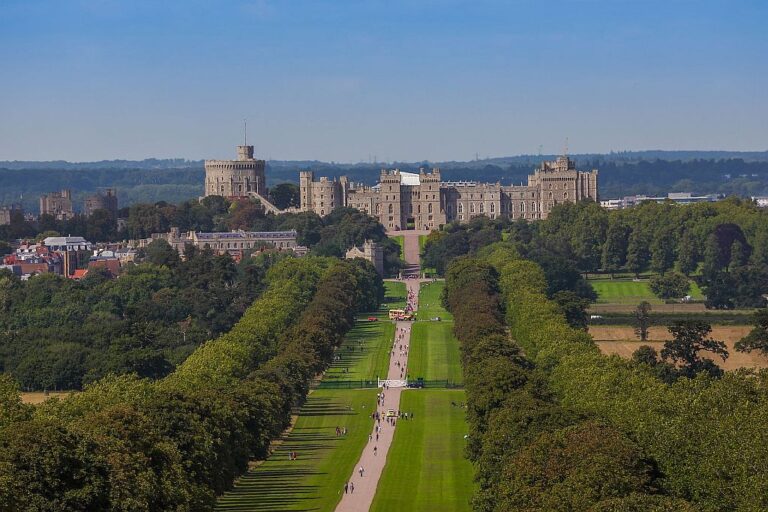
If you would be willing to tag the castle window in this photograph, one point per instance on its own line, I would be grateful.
(482, 208)
(391, 209)
(522, 207)
(429, 208)
(472, 208)
(493, 208)
(565, 195)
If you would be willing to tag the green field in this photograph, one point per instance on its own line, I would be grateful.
(434, 353)
(430, 305)
(366, 349)
(627, 291)
(325, 461)
(422, 242)
(426, 469)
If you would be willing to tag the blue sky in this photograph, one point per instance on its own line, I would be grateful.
(398, 80)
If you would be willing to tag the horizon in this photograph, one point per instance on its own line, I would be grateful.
(361, 162)
(345, 81)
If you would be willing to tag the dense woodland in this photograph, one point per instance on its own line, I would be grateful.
(723, 246)
(128, 444)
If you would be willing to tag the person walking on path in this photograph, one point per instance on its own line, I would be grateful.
(351, 487)
(361, 471)
(346, 487)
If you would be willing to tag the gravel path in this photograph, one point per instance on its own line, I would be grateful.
(374, 455)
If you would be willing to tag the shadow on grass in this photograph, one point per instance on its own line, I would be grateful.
(280, 483)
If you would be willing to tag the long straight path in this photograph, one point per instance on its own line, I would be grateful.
(366, 474)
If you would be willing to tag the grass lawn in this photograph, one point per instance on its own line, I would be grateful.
(366, 348)
(401, 242)
(429, 301)
(434, 352)
(426, 469)
(422, 242)
(315, 479)
(627, 291)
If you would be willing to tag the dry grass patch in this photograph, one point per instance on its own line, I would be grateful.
(621, 340)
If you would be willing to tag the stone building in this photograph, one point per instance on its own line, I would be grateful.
(243, 177)
(58, 204)
(232, 242)
(404, 200)
(370, 251)
(6, 213)
(103, 200)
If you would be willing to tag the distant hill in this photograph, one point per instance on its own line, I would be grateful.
(174, 180)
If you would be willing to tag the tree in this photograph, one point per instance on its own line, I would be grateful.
(614, 254)
(645, 355)
(670, 285)
(757, 339)
(738, 257)
(689, 337)
(686, 254)
(160, 252)
(574, 308)
(662, 251)
(637, 253)
(642, 320)
(284, 195)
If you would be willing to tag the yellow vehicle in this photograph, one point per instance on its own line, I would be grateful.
(391, 413)
(396, 314)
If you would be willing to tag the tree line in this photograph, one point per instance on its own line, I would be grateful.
(129, 444)
(722, 245)
(556, 425)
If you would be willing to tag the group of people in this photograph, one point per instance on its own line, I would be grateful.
(293, 455)
(400, 349)
(341, 431)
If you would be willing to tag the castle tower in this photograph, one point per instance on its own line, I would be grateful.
(236, 178)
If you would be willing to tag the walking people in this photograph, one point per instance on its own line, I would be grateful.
(351, 487)
(346, 487)
(361, 470)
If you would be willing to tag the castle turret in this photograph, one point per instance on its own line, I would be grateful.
(236, 178)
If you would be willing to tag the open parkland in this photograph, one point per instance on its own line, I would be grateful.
(419, 462)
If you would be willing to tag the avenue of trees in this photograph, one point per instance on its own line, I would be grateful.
(556, 425)
(723, 246)
(132, 444)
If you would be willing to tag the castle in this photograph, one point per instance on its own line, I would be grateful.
(239, 178)
(404, 200)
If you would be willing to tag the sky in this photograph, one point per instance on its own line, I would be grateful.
(389, 80)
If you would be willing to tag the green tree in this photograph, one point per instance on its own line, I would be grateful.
(757, 339)
(573, 307)
(160, 252)
(642, 320)
(614, 254)
(670, 285)
(662, 251)
(637, 253)
(689, 338)
(738, 257)
(284, 195)
(686, 254)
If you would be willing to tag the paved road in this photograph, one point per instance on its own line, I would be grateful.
(372, 461)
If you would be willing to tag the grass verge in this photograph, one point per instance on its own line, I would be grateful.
(314, 481)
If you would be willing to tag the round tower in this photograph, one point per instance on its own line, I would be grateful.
(236, 178)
